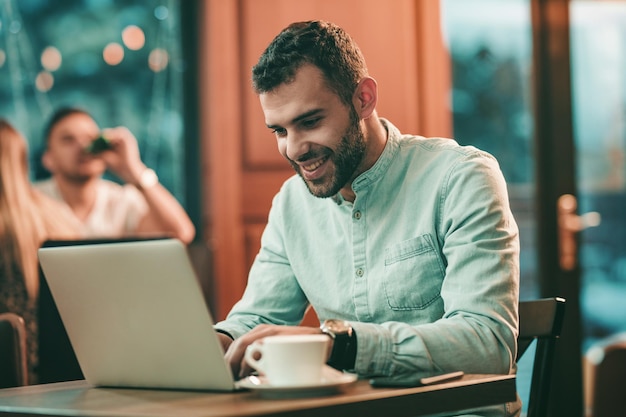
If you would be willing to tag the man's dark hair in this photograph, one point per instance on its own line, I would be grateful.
(323, 44)
(59, 115)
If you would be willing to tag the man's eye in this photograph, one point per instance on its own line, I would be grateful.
(279, 131)
(310, 123)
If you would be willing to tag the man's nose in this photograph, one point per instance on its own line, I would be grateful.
(296, 146)
(83, 143)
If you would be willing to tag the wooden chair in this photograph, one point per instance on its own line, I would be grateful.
(13, 361)
(607, 376)
(540, 320)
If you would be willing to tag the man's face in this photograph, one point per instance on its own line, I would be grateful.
(317, 133)
(66, 156)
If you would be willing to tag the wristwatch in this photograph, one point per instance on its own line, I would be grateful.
(343, 354)
(147, 179)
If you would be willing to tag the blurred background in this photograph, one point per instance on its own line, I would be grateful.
(120, 60)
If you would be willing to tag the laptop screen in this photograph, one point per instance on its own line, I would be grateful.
(57, 360)
(136, 315)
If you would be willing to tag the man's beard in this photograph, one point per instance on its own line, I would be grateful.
(81, 176)
(345, 160)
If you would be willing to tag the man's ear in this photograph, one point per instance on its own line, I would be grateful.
(47, 161)
(366, 97)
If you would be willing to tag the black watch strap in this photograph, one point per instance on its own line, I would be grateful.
(343, 353)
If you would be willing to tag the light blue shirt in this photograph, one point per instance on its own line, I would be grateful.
(424, 264)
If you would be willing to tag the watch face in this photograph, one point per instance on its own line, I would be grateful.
(337, 326)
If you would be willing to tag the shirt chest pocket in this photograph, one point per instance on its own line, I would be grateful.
(413, 274)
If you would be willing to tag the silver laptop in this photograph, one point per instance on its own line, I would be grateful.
(136, 316)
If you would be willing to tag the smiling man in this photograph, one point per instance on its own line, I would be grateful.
(405, 246)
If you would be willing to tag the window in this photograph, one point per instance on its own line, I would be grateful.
(120, 60)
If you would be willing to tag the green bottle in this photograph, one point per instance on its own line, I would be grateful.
(100, 144)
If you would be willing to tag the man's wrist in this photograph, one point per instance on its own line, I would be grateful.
(147, 179)
(225, 333)
(343, 354)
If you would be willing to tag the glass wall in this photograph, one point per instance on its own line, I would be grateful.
(490, 44)
(598, 38)
(120, 60)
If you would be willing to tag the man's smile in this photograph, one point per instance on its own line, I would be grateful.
(313, 166)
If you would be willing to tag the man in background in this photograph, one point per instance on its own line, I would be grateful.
(139, 207)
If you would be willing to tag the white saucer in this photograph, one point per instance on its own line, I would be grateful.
(330, 383)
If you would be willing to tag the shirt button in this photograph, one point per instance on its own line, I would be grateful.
(359, 272)
(357, 215)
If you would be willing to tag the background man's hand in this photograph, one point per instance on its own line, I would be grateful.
(123, 158)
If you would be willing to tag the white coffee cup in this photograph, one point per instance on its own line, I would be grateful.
(289, 360)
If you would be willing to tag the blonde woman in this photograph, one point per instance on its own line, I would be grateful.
(27, 219)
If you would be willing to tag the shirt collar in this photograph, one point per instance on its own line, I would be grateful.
(381, 165)
(384, 160)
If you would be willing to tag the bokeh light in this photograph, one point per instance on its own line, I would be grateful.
(161, 12)
(15, 27)
(133, 37)
(113, 53)
(44, 81)
(158, 59)
(51, 58)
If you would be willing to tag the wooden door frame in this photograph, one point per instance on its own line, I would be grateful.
(555, 176)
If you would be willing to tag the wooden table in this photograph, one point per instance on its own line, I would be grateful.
(359, 399)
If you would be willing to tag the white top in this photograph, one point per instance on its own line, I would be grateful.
(116, 212)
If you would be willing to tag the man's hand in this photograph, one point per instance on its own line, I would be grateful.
(224, 340)
(123, 158)
(236, 350)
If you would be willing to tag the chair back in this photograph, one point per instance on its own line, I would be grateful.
(13, 362)
(540, 320)
(608, 376)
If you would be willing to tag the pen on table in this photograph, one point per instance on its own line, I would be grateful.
(435, 379)
(441, 378)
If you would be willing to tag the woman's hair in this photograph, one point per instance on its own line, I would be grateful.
(27, 218)
(322, 44)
